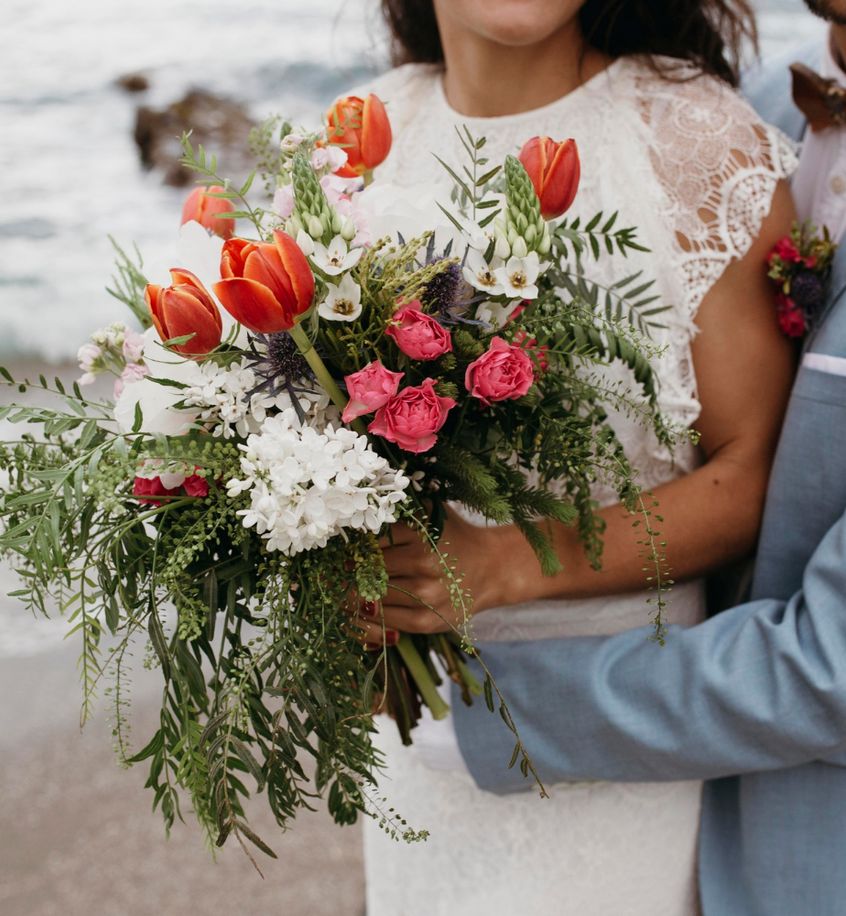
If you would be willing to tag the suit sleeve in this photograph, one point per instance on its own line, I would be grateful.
(761, 686)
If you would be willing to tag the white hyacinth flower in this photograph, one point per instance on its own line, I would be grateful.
(481, 275)
(307, 486)
(336, 257)
(517, 277)
(342, 302)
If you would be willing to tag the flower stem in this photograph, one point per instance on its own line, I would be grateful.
(417, 669)
(321, 373)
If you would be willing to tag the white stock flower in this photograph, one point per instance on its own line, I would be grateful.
(342, 302)
(517, 277)
(308, 486)
(336, 257)
(481, 275)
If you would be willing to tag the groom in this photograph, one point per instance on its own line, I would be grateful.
(759, 690)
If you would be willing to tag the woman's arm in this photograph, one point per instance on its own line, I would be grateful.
(744, 368)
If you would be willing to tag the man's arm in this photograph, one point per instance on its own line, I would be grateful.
(761, 686)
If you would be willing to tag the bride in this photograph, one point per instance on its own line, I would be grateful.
(646, 87)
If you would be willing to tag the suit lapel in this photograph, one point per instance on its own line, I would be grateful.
(824, 336)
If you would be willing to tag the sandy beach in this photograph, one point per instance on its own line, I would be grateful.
(77, 834)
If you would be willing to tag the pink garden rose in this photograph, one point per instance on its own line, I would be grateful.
(503, 373)
(417, 334)
(369, 389)
(412, 418)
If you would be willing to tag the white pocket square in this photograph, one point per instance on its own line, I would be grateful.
(821, 362)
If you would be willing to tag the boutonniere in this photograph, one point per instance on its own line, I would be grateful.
(800, 265)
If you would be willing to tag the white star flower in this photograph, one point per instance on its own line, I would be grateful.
(517, 277)
(496, 314)
(336, 257)
(481, 275)
(342, 302)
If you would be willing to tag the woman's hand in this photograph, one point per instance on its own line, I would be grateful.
(419, 599)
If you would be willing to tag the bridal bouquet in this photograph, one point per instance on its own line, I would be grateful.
(296, 388)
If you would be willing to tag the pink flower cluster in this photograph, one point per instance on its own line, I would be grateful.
(411, 418)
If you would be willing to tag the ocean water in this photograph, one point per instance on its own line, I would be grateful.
(69, 173)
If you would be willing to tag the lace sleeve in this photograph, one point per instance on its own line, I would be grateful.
(719, 165)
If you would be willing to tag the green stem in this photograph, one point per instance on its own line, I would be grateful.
(417, 669)
(321, 373)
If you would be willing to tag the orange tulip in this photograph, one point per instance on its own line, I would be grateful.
(207, 210)
(185, 308)
(554, 170)
(265, 286)
(362, 129)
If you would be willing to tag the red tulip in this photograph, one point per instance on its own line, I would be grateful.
(201, 206)
(362, 129)
(554, 170)
(265, 286)
(185, 308)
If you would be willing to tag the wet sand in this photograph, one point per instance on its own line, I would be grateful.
(77, 834)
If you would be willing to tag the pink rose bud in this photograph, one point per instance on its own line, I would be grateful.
(369, 389)
(417, 334)
(412, 418)
(503, 373)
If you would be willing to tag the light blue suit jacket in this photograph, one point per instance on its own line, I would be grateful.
(759, 690)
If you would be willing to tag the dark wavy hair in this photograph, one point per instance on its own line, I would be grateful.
(710, 34)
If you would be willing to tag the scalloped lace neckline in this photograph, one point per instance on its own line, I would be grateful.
(532, 114)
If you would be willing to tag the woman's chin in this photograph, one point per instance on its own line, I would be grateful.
(515, 23)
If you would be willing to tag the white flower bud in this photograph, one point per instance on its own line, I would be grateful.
(314, 226)
(348, 230)
(501, 248)
(519, 249)
(306, 242)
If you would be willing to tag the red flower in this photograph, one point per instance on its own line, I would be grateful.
(412, 418)
(791, 319)
(362, 129)
(265, 286)
(503, 373)
(530, 345)
(555, 170)
(786, 250)
(185, 308)
(152, 490)
(196, 486)
(208, 210)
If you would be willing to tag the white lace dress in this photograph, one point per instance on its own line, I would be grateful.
(691, 166)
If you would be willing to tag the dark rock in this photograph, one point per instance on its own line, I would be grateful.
(221, 125)
(133, 82)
